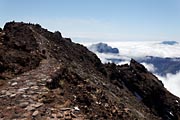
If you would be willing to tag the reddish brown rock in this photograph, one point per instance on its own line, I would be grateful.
(46, 76)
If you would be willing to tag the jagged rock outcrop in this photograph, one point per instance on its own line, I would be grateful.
(46, 76)
(150, 90)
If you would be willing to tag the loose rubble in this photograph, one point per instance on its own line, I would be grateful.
(44, 76)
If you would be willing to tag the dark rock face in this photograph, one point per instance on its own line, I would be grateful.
(49, 77)
(19, 50)
(169, 42)
(148, 89)
(103, 48)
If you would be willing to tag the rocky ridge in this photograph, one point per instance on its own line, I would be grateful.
(46, 76)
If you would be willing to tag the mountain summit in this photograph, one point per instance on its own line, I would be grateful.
(46, 76)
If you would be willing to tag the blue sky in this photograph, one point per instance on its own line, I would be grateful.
(99, 20)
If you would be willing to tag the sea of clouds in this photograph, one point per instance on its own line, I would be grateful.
(141, 49)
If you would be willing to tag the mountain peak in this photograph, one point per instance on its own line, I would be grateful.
(46, 76)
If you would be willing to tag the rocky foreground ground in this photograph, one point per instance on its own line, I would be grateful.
(44, 76)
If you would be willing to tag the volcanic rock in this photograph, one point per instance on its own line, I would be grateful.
(46, 76)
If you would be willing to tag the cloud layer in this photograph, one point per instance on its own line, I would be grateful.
(140, 49)
(172, 83)
(148, 48)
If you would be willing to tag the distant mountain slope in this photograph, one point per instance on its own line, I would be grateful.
(103, 48)
(169, 42)
(46, 76)
(162, 65)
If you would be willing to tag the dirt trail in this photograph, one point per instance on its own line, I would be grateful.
(23, 97)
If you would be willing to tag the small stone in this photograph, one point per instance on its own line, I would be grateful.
(30, 83)
(31, 92)
(59, 115)
(37, 105)
(8, 93)
(67, 113)
(48, 118)
(35, 87)
(53, 109)
(106, 105)
(126, 109)
(79, 118)
(18, 78)
(64, 109)
(76, 108)
(12, 95)
(29, 108)
(27, 114)
(41, 84)
(34, 97)
(113, 111)
(35, 113)
(44, 79)
(53, 116)
(3, 91)
(22, 89)
(8, 108)
(2, 96)
(49, 80)
(24, 96)
(45, 89)
(23, 104)
(14, 83)
(68, 118)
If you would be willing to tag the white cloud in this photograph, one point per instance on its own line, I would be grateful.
(172, 83)
(149, 67)
(124, 62)
(135, 49)
(139, 49)
(103, 57)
